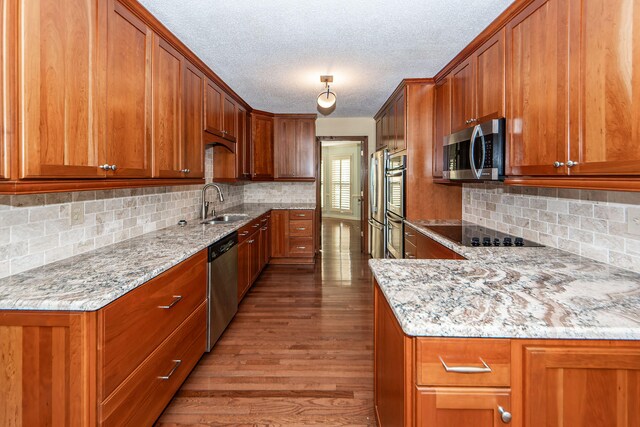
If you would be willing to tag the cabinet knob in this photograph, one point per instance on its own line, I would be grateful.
(105, 167)
(185, 170)
(113, 167)
(504, 415)
(571, 163)
(557, 164)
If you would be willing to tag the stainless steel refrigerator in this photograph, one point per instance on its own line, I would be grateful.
(378, 203)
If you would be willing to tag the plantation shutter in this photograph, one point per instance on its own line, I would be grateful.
(341, 184)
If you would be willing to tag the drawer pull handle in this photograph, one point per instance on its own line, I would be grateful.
(256, 225)
(301, 247)
(408, 234)
(466, 369)
(300, 228)
(250, 241)
(176, 366)
(244, 233)
(504, 415)
(263, 220)
(176, 299)
(264, 229)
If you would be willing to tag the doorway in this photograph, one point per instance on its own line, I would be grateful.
(341, 183)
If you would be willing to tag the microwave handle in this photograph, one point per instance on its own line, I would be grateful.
(477, 131)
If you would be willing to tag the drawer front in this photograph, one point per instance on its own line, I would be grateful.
(410, 235)
(469, 362)
(300, 214)
(135, 324)
(301, 228)
(247, 230)
(301, 246)
(410, 251)
(144, 395)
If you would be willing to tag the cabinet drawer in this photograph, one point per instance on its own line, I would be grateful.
(135, 324)
(300, 228)
(247, 230)
(301, 246)
(410, 235)
(143, 396)
(300, 214)
(410, 251)
(486, 362)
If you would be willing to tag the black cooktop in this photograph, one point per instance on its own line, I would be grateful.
(475, 235)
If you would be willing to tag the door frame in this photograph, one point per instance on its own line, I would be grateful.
(364, 185)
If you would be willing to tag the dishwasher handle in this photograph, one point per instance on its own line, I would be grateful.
(222, 246)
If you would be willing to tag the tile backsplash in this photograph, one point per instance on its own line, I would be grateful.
(590, 223)
(39, 229)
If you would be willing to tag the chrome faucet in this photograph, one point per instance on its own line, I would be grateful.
(204, 212)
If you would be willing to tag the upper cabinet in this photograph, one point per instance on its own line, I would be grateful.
(399, 141)
(604, 51)
(7, 132)
(478, 85)
(234, 165)
(59, 94)
(295, 148)
(128, 93)
(379, 143)
(261, 146)
(193, 118)
(392, 125)
(220, 121)
(442, 123)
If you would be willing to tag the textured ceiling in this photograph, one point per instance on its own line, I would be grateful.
(272, 52)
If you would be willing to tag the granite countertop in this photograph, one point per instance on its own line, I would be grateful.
(90, 281)
(510, 293)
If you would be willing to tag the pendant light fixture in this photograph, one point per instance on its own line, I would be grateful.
(326, 99)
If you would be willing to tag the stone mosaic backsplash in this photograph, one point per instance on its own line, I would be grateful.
(280, 192)
(594, 224)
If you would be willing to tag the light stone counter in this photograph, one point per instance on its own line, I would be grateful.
(90, 281)
(512, 293)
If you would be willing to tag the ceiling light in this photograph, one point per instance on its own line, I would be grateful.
(326, 99)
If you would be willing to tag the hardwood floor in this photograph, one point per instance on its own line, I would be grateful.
(299, 351)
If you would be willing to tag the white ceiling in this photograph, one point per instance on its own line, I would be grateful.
(272, 52)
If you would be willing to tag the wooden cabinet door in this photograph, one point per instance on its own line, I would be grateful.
(266, 240)
(243, 151)
(230, 119)
(167, 109)
(7, 108)
(400, 142)
(388, 129)
(305, 149)
(442, 124)
(213, 108)
(489, 79)
(255, 259)
(262, 147)
(244, 268)
(284, 150)
(128, 91)
(584, 386)
(537, 89)
(379, 143)
(59, 92)
(462, 96)
(461, 406)
(279, 233)
(605, 97)
(193, 118)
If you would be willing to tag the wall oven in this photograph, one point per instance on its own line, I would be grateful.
(476, 154)
(396, 177)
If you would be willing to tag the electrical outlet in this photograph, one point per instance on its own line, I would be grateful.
(77, 214)
(633, 221)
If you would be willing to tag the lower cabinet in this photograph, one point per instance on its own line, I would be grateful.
(419, 246)
(293, 236)
(253, 238)
(452, 382)
(118, 366)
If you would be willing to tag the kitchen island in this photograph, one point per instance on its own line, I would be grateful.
(528, 336)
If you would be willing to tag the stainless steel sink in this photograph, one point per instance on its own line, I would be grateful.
(225, 219)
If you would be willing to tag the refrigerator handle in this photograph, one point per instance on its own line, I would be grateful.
(372, 184)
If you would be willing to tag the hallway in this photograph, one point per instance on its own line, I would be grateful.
(299, 351)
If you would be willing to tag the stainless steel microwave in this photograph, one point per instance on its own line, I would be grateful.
(476, 154)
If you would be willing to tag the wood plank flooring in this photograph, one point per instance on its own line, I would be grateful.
(299, 351)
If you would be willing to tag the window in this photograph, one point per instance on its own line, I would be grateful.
(341, 184)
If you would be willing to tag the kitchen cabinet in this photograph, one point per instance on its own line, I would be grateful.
(399, 141)
(292, 236)
(104, 367)
(7, 108)
(453, 407)
(59, 102)
(265, 240)
(442, 123)
(419, 246)
(295, 147)
(605, 95)
(231, 166)
(192, 98)
(252, 252)
(261, 146)
(537, 89)
(478, 85)
(219, 114)
(392, 123)
(128, 85)
(379, 141)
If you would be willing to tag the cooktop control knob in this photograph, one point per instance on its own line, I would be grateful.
(507, 241)
(496, 242)
(486, 241)
(475, 241)
(519, 241)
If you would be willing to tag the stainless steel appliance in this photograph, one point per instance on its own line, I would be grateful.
(378, 202)
(396, 184)
(469, 234)
(222, 287)
(476, 154)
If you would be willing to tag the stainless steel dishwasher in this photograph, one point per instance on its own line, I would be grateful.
(222, 286)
